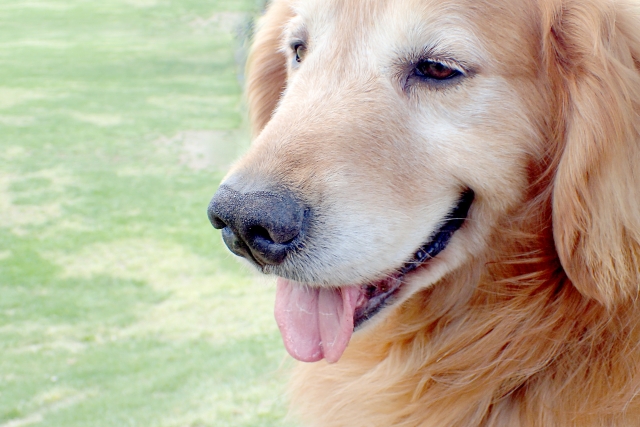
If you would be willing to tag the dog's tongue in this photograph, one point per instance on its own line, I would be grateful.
(315, 323)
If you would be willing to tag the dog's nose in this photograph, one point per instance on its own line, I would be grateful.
(261, 226)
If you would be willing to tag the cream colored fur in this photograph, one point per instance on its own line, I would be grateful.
(530, 317)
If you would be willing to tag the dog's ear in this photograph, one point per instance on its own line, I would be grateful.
(594, 50)
(266, 66)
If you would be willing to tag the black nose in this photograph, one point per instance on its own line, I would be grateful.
(262, 226)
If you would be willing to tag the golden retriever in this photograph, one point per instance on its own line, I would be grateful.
(458, 182)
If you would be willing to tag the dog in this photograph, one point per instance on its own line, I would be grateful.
(448, 192)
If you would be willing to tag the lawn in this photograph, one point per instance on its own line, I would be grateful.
(119, 305)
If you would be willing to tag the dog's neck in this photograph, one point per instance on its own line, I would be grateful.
(481, 342)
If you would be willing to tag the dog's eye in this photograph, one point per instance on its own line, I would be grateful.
(300, 50)
(435, 70)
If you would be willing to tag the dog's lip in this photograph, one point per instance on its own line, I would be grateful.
(376, 295)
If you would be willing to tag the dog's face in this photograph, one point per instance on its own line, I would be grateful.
(396, 117)
(391, 113)
(406, 132)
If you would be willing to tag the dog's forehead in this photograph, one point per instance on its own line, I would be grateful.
(364, 20)
(469, 30)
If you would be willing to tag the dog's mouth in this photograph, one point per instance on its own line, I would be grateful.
(317, 323)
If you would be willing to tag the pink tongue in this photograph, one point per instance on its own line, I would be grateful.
(315, 323)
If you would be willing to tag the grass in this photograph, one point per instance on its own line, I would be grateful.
(119, 305)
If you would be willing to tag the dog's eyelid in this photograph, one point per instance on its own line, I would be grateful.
(454, 65)
(296, 43)
(433, 53)
(443, 60)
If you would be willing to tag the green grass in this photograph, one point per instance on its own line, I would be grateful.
(119, 305)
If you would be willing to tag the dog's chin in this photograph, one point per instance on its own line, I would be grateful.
(317, 322)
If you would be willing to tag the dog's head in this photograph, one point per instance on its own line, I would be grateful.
(395, 139)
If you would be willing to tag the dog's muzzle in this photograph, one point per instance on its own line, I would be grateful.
(262, 226)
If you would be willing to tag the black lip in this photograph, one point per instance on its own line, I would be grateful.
(381, 293)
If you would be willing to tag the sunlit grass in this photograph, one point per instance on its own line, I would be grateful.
(119, 305)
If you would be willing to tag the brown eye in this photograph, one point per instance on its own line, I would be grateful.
(435, 70)
(300, 50)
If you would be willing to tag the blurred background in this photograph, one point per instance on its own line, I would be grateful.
(119, 305)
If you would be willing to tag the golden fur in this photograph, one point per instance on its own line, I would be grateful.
(531, 315)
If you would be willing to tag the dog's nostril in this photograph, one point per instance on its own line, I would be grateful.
(235, 243)
(217, 222)
(260, 232)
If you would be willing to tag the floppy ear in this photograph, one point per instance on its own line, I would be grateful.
(595, 46)
(266, 66)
